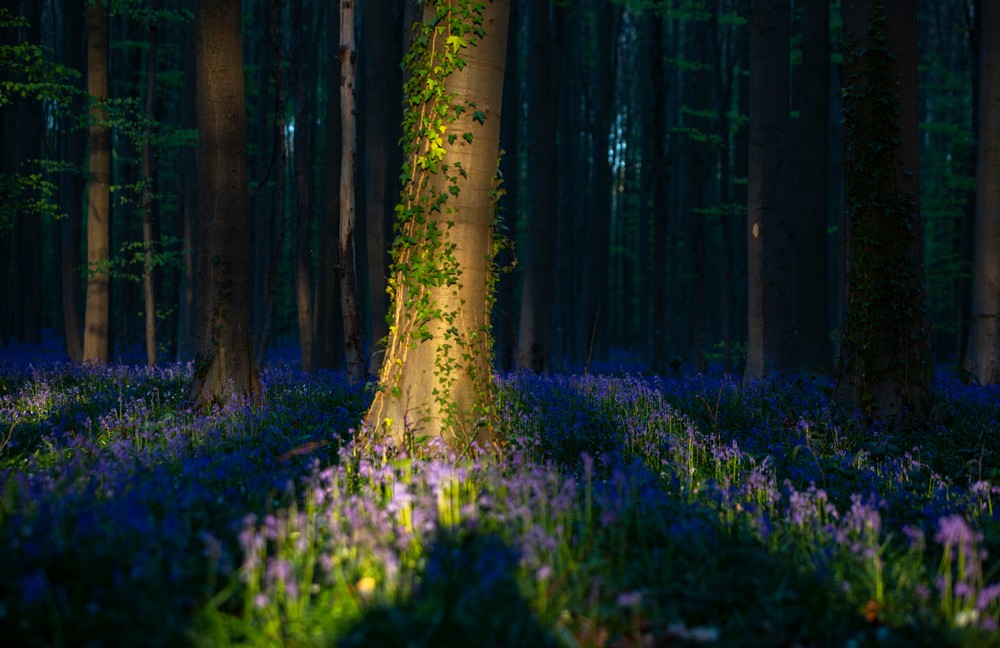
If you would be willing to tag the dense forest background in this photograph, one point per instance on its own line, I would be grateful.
(625, 162)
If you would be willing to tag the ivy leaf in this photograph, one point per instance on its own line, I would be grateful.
(479, 116)
(456, 43)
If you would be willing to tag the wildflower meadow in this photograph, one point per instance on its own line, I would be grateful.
(626, 511)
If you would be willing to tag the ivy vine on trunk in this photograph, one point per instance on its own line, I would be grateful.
(436, 379)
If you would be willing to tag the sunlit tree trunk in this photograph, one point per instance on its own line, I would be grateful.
(982, 359)
(97, 316)
(436, 380)
(769, 230)
(884, 368)
(225, 365)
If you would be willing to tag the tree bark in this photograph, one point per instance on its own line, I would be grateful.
(71, 230)
(98, 312)
(813, 351)
(381, 99)
(436, 379)
(225, 364)
(277, 222)
(769, 232)
(147, 195)
(982, 359)
(534, 340)
(356, 365)
(884, 368)
(303, 292)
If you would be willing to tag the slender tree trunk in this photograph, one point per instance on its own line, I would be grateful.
(769, 232)
(436, 379)
(813, 349)
(71, 230)
(225, 365)
(329, 322)
(982, 359)
(507, 308)
(97, 318)
(188, 204)
(348, 280)
(262, 195)
(381, 98)
(281, 162)
(659, 175)
(534, 340)
(303, 292)
(147, 194)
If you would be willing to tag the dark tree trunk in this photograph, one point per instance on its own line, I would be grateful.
(225, 364)
(769, 231)
(534, 342)
(884, 367)
(811, 154)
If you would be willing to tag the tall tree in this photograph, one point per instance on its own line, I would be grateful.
(148, 217)
(380, 46)
(884, 366)
(329, 323)
(811, 147)
(97, 316)
(301, 79)
(74, 145)
(225, 364)
(348, 280)
(436, 379)
(769, 229)
(534, 338)
(982, 358)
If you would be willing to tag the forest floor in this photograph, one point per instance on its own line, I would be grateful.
(626, 511)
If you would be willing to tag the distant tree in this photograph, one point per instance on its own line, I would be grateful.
(811, 148)
(225, 364)
(301, 68)
(356, 366)
(534, 338)
(74, 150)
(382, 79)
(982, 359)
(329, 322)
(148, 206)
(97, 317)
(884, 366)
(436, 378)
(769, 228)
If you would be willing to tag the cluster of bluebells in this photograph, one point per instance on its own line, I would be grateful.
(108, 485)
(99, 461)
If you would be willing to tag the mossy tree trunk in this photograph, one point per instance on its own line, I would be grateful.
(225, 364)
(884, 368)
(436, 378)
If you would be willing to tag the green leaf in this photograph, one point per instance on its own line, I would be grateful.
(479, 116)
